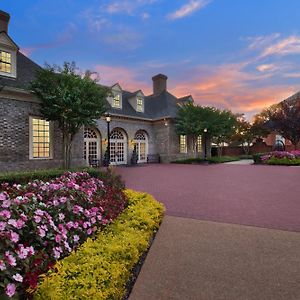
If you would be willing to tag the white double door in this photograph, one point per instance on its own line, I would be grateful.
(118, 152)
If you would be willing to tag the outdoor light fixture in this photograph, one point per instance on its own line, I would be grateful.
(205, 146)
(166, 122)
(108, 120)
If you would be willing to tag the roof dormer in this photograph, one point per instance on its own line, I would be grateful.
(115, 98)
(137, 101)
(8, 49)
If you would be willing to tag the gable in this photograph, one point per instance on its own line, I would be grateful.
(7, 42)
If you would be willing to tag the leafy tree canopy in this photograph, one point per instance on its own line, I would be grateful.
(70, 98)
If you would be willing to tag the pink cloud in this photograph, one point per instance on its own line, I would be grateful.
(127, 78)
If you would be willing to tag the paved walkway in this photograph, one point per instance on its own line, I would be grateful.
(241, 162)
(192, 259)
(203, 249)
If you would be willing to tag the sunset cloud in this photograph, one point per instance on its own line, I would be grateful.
(188, 9)
(289, 45)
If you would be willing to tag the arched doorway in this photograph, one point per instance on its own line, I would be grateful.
(118, 147)
(141, 143)
(91, 150)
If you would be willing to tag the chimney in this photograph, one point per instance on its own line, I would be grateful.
(4, 20)
(159, 84)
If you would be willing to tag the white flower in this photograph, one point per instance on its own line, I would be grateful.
(18, 277)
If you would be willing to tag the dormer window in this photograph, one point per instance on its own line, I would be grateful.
(139, 104)
(5, 62)
(116, 101)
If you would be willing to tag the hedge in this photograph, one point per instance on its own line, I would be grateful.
(24, 177)
(211, 160)
(283, 161)
(101, 267)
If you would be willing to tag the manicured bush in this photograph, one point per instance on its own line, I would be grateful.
(283, 161)
(211, 160)
(222, 159)
(108, 177)
(41, 222)
(101, 267)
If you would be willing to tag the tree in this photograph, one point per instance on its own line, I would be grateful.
(71, 99)
(284, 118)
(246, 132)
(192, 120)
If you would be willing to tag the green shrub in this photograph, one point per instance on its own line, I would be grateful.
(283, 161)
(222, 159)
(100, 268)
(107, 177)
(257, 157)
(211, 160)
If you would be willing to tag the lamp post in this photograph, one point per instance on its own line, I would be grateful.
(108, 119)
(205, 146)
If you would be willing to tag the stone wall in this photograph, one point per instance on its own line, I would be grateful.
(14, 138)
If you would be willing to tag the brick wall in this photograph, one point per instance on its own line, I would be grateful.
(14, 138)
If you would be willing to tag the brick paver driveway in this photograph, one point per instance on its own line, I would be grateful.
(263, 196)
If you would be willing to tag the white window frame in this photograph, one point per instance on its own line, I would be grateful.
(31, 157)
(120, 100)
(139, 106)
(13, 64)
(182, 143)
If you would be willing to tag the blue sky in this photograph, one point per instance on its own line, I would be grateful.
(241, 55)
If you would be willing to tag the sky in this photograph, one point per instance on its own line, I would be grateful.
(237, 55)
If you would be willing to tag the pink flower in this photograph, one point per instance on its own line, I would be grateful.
(30, 251)
(39, 212)
(76, 238)
(61, 216)
(89, 231)
(10, 289)
(56, 252)
(22, 252)
(77, 209)
(2, 226)
(3, 196)
(41, 232)
(2, 265)
(20, 224)
(37, 219)
(10, 259)
(58, 238)
(6, 203)
(14, 237)
(18, 277)
(5, 214)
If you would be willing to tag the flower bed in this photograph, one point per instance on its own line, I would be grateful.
(280, 158)
(44, 221)
(101, 267)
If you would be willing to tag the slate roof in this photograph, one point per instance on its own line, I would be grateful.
(26, 70)
(164, 105)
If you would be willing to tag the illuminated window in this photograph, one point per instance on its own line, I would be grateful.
(117, 101)
(139, 104)
(182, 144)
(5, 62)
(199, 143)
(40, 135)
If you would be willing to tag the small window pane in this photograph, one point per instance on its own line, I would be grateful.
(182, 144)
(5, 62)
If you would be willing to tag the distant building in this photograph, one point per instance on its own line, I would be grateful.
(27, 141)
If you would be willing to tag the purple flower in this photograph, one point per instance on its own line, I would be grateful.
(61, 216)
(3, 196)
(10, 289)
(6, 203)
(37, 219)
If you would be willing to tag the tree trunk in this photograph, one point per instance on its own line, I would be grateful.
(67, 145)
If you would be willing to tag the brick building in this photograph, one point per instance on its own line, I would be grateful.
(27, 141)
